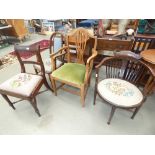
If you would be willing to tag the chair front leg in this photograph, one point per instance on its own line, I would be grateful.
(95, 94)
(111, 114)
(135, 112)
(8, 100)
(34, 105)
(89, 80)
(82, 94)
(53, 85)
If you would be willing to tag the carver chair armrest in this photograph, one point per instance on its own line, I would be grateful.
(89, 65)
(59, 54)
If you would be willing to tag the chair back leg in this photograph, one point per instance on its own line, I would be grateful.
(47, 85)
(33, 102)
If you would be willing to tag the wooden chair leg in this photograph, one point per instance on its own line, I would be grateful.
(36, 71)
(111, 114)
(89, 81)
(53, 85)
(95, 94)
(51, 82)
(82, 94)
(34, 105)
(135, 112)
(46, 84)
(8, 100)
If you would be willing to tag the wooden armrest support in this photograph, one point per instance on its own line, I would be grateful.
(92, 56)
(59, 52)
(89, 65)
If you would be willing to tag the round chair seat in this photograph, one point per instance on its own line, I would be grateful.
(119, 92)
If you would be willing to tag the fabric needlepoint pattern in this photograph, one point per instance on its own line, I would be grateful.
(119, 88)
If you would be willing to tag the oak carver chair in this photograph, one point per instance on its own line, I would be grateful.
(25, 85)
(76, 74)
(55, 43)
(120, 87)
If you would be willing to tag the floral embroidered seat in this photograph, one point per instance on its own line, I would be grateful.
(21, 83)
(25, 85)
(119, 92)
(119, 83)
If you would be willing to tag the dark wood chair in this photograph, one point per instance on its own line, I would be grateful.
(120, 86)
(56, 43)
(143, 42)
(108, 47)
(25, 85)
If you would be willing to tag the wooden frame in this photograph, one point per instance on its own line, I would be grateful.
(51, 52)
(133, 70)
(80, 38)
(115, 45)
(143, 42)
(32, 97)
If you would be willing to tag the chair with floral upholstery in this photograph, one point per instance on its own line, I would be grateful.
(56, 43)
(76, 74)
(118, 83)
(25, 85)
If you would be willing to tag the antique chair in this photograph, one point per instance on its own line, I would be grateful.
(25, 85)
(76, 74)
(109, 47)
(56, 42)
(120, 87)
(143, 42)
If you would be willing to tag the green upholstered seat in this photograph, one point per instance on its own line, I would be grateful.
(71, 72)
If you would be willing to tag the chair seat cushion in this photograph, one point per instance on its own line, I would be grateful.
(22, 84)
(71, 72)
(48, 65)
(119, 92)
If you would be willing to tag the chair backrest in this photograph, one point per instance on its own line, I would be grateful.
(129, 69)
(79, 37)
(56, 42)
(35, 49)
(141, 43)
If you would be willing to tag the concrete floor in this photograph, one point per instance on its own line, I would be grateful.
(63, 114)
